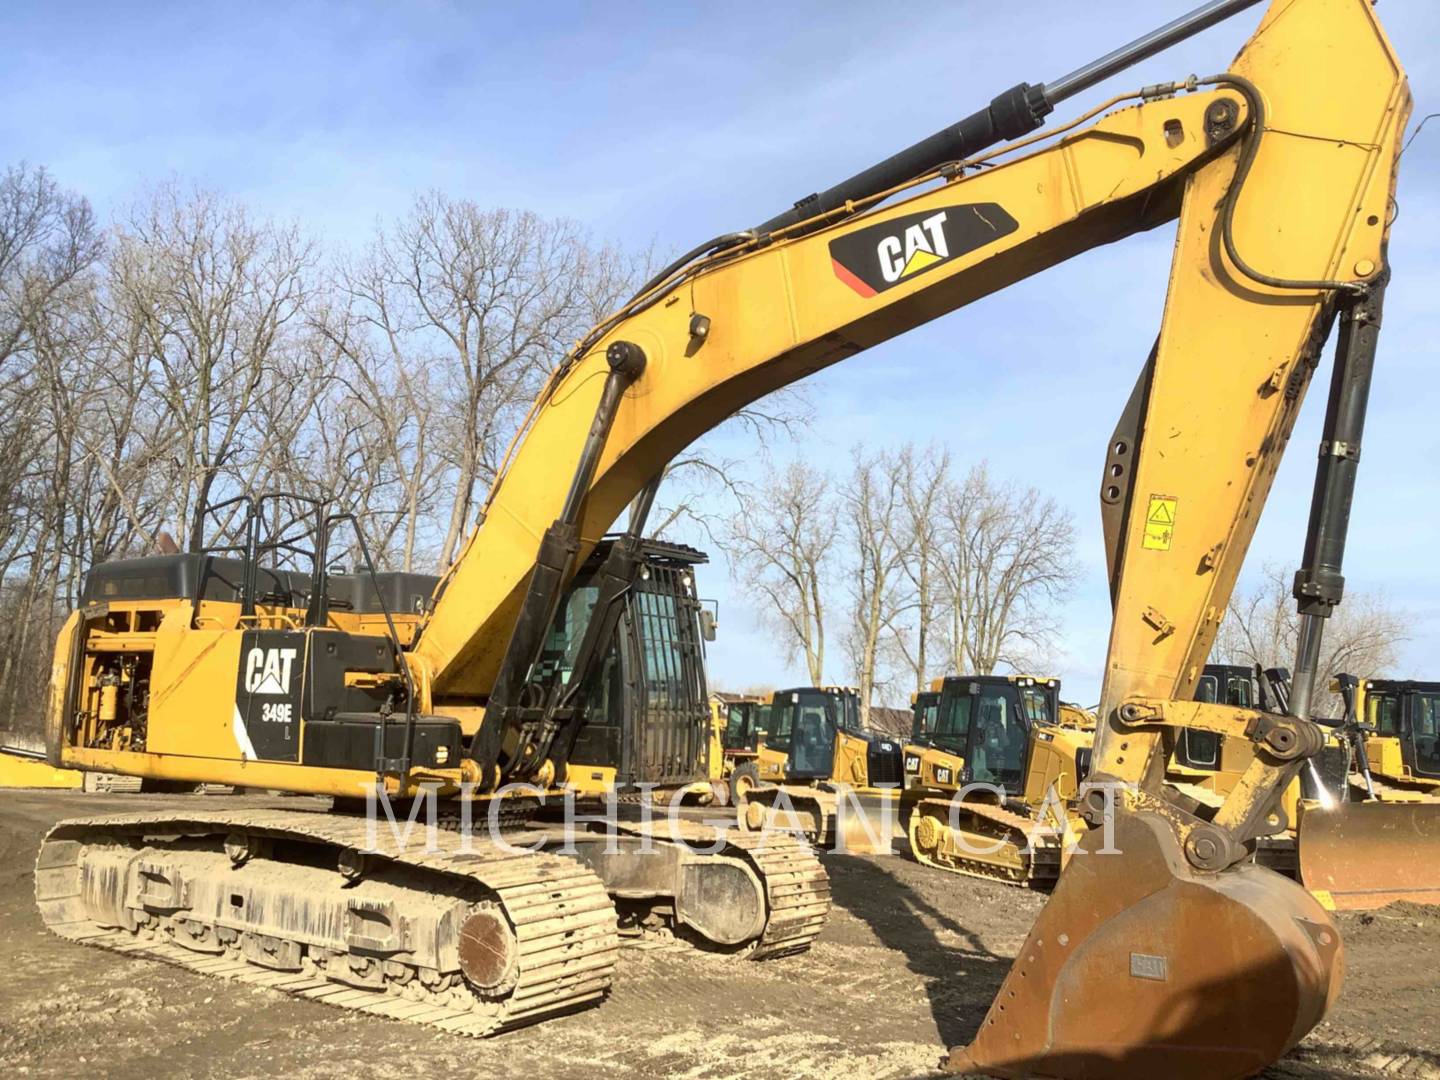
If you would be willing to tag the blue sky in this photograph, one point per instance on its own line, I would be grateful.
(657, 122)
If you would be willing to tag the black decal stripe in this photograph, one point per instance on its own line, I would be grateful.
(856, 256)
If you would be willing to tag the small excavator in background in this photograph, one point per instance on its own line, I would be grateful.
(1162, 951)
(1003, 731)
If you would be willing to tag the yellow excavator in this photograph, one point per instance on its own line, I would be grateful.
(994, 789)
(1162, 951)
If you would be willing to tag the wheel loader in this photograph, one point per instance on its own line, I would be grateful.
(820, 774)
(994, 788)
(1162, 951)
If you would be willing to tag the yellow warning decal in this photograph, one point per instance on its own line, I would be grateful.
(1324, 898)
(1159, 523)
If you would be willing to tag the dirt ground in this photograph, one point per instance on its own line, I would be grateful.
(907, 965)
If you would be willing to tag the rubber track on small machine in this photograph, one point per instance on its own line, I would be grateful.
(797, 888)
(1042, 867)
(563, 919)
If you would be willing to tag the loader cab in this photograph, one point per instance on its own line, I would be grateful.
(1406, 713)
(647, 716)
(741, 729)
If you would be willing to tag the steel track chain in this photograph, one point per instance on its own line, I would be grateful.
(562, 917)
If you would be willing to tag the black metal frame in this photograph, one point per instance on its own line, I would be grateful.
(318, 533)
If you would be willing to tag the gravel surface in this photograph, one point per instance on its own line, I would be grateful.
(907, 965)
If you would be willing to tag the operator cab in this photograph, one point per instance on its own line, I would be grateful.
(924, 707)
(807, 724)
(1410, 712)
(1219, 684)
(987, 721)
(653, 671)
(744, 726)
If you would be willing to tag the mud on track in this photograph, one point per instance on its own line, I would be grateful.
(907, 964)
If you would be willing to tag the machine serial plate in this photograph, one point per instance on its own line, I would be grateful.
(1143, 966)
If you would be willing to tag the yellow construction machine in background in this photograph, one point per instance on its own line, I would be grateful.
(923, 710)
(820, 772)
(996, 787)
(737, 731)
(1380, 844)
(21, 768)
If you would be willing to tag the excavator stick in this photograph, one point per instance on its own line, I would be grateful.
(1175, 956)
(1361, 856)
(1141, 967)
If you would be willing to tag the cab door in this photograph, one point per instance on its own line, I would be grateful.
(1422, 734)
(999, 745)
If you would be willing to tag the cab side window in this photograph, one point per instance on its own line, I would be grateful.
(1382, 712)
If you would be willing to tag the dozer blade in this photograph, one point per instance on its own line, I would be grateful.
(1140, 967)
(1367, 855)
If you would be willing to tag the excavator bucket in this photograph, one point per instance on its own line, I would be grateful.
(1141, 967)
(1359, 856)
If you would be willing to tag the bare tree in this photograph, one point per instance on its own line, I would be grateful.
(214, 293)
(781, 547)
(1009, 562)
(871, 509)
(917, 633)
(488, 301)
(1362, 637)
(701, 488)
(48, 246)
